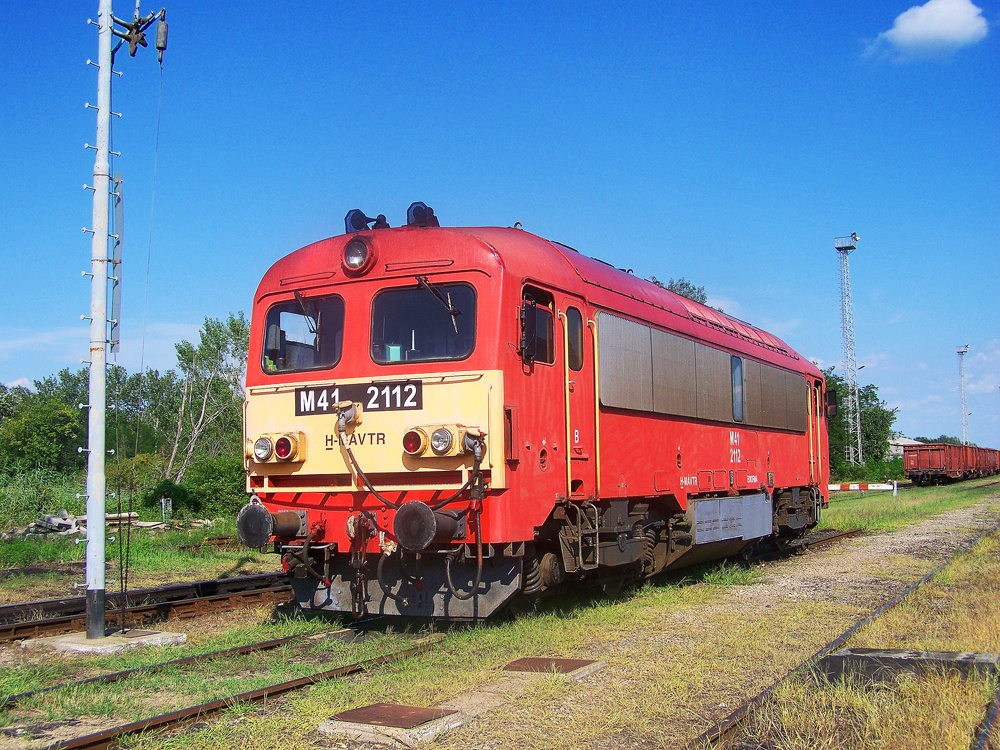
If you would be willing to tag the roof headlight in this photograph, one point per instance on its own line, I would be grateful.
(441, 440)
(359, 256)
(262, 449)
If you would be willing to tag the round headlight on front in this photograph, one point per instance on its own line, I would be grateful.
(358, 256)
(262, 449)
(441, 440)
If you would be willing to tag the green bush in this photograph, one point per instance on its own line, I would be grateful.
(138, 474)
(183, 504)
(212, 488)
(220, 485)
(876, 471)
(43, 433)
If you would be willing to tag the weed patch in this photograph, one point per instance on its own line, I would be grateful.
(933, 711)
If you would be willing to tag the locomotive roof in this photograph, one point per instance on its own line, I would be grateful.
(531, 257)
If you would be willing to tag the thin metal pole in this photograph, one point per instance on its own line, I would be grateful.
(962, 351)
(845, 246)
(96, 486)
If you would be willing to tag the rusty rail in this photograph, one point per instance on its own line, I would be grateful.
(146, 605)
(109, 737)
(174, 592)
(213, 542)
(146, 613)
(9, 701)
(808, 544)
(805, 545)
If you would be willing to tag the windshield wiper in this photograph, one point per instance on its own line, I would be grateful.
(444, 299)
(314, 319)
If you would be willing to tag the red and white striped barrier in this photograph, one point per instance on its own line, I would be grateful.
(892, 487)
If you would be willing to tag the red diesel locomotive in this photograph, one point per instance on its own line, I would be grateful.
(439, 420)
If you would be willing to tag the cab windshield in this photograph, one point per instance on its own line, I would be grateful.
(306, 333)
(431, 321)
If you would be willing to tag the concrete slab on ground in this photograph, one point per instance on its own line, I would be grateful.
(465, 706)
(113, 643)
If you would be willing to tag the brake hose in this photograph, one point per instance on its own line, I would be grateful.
(479, 566)
(474, 482)
(477, 460)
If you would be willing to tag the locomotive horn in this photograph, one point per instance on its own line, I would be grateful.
(356, 221)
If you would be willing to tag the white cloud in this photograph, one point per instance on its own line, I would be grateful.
(15, 343)
(21, 383)
(932, 28)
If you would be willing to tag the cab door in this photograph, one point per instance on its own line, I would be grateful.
(576, 339)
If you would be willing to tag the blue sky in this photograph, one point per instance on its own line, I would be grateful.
(726, 144)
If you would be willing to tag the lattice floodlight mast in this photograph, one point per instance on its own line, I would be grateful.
(844, 247)
(962, 351)
(101, 262)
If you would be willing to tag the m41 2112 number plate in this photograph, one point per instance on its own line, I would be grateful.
(377, 396)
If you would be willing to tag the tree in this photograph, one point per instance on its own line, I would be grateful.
(209, 415)
(876, 420)
(71, 388)
(43, 432)
(11, 399)
(684, 288)
(142, 410)
(940, 439)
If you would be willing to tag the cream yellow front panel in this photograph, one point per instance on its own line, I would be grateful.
(466, 399)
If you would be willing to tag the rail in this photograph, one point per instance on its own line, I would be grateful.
(143, 605)
(109, 738)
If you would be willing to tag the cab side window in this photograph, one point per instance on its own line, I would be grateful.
(574, 338)
(537, 339)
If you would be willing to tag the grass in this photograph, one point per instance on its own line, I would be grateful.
(469, 656)
(958, 610)
(27, 494)
(941, 712)
(673, 643)
(880, 511)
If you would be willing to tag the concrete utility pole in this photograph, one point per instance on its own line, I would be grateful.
(845, 246)
(99, 261)
(962, 351)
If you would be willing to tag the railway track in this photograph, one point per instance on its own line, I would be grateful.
(143, 606)
(211, 542)
(110, 738)
(728, 727)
